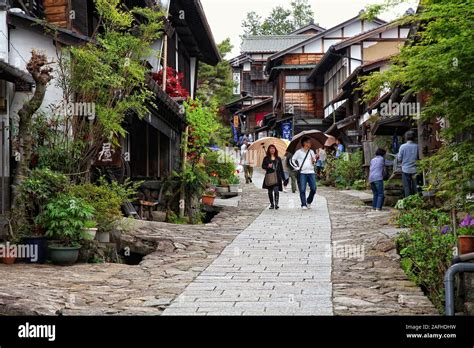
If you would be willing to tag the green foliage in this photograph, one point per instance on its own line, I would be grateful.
(110, 71)
(39, 188)
(427, 252)
(449, 172)
(203, 125)
(345, 171)
(172, 218)
(427, 249)
(64, 218)
(106, 199)
(53, 146)
(281, 21)
(439, 63)
(220, 166)
(215, 82)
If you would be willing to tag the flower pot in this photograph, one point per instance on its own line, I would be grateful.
(208, 200)
(64, 256)
(103, 237)
(234, 188)
(222, 189)
(466, 244)
(90, 233)
(8, 260)
(41, 243)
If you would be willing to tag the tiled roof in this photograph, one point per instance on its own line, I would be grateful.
(271, 43)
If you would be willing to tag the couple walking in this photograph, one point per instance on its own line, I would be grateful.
(303, 161)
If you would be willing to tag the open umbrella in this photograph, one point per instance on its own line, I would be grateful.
(331, 141)
(318, 140)
(258, 150)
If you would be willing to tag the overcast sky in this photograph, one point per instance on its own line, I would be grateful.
(225, 16)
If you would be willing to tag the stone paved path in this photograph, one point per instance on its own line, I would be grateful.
(279, 265)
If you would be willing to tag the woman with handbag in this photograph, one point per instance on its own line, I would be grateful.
(274, 176)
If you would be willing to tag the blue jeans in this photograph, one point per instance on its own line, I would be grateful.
(409, 184)
(379, 196)
(309, 179)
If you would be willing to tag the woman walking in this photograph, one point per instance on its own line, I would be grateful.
(274, 176)
(376, 178)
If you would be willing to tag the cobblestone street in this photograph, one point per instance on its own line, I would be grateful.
(279, 265)
(248, 261)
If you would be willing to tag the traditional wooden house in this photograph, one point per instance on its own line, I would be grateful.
(296, 97)
(337, 76)
(153, 143)
(252, 90)
(151, 148)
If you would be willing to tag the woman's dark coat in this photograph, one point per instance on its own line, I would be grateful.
(266, 162)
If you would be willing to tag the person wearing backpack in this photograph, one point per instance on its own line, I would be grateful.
(378, 173)
(304, 161)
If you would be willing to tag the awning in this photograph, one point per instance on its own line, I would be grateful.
(338, 126)
(398, 125)
(12, 74)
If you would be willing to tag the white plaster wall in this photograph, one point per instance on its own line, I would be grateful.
(390, 34)
(370, 25)
(353, 29)
(22, 42)
(314, 47)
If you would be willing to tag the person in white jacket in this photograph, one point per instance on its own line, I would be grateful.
(303, 161)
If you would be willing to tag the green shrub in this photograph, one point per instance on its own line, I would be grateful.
(106, 198)
(39, 188)
(345, 171)
(220, 165)
(427, 249)
(64, 218)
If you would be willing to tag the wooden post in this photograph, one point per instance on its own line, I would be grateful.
(182, 197)
(165, 60)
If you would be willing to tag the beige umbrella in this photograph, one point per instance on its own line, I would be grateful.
(318, 139)
(331, 141)
(258, 150)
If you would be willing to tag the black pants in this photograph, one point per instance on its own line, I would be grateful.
(274, 195)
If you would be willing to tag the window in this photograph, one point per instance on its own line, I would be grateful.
(333, 80)
(298, 82)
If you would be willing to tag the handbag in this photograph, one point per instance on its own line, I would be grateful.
(271, 179)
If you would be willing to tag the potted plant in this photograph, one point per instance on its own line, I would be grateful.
(466, 235)
(223, 186)
(90, 229)
(64, 219)
(7, 253)
(234, 184)
(209, 196)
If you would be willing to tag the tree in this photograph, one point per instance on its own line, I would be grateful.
(281, 21)
(215, 82)
(41, 72)
(438, 62)
(110, 72)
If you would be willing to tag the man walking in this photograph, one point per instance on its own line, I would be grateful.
(303, 161)
(407, 156)
(244, 160)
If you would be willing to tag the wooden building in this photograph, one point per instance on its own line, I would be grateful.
(337, 73)
(152, 143)
(297, 96)
(253, 90)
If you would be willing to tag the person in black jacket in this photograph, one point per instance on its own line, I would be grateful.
(271, 163)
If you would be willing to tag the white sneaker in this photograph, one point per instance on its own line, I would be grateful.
(309, 206)
(304, 208)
